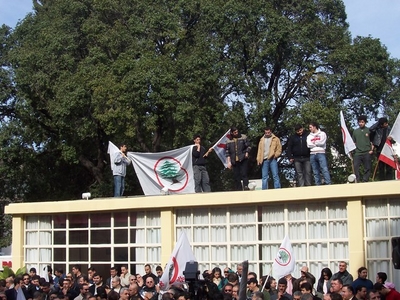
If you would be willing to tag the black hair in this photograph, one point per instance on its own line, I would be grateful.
(382, 276)
(298, 127)
(362, 118)
(315, 124)
(382, 120)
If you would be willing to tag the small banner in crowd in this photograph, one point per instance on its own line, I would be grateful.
(173, 272)
(170, 170)
(284, 262)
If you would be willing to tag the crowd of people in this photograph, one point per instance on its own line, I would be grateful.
(306, 150)
(215, 284)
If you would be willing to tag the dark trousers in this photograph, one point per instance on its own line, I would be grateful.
(303, 170)
(240, 173)
(365, 160)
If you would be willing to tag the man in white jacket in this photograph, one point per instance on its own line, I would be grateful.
(316, 141)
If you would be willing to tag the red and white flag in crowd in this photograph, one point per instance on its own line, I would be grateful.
(347, 140)
(284, 261)
(220, 147)
(173, 272)
(389, 154)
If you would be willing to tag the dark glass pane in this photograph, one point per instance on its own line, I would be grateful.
(78, 221)
(103, 269)
(100, 220)
(60, 254)
(133, 256)
(101, 254)
(100, 236)
(133, 235)
(78, 254)
(59, 238)
(120, 219)
(121, 254)
(60, 221)
(78, 237)
(120, 236)
(133, 218)
(59, 266)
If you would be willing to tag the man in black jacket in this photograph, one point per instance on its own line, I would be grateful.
(379, 132)
(199, 155)
(299, 154)
(237, 156)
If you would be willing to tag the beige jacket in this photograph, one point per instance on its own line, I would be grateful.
(275, 149)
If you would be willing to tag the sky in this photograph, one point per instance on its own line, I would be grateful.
(377, 18)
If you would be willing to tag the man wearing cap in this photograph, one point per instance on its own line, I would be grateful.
(253, 287)
(386, 291)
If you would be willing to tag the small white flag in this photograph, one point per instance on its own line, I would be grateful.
(169, 170)
(181, 254)
(220, 147)
(347, 140)
(113, 151)
(389, 150)
(284, 262)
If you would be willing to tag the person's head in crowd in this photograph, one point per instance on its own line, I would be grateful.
(373, 295)
(381, 277)
(233, 278)
(112, 295)
(297, 295)
(282, 285)
(36, 280)
(32, 272)
(124, 294)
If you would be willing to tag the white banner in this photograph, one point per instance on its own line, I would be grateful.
(347, 140)
(220, 147)
(173, 272)
(170, 171)
(284, 262)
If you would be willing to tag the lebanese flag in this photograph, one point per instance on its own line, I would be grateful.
(389, 153)
(347, 140)
(173, 272)
(220, 147)
(284, 261)
(171, 171)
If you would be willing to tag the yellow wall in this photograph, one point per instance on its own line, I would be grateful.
(353, 193)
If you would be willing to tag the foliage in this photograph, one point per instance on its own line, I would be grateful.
(7, 272)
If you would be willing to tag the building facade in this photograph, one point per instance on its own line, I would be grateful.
(326, 224)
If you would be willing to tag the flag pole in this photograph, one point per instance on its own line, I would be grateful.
(352, 163)
(376, 168)
(266, 280)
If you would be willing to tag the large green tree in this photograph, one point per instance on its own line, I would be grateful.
(153, 73)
